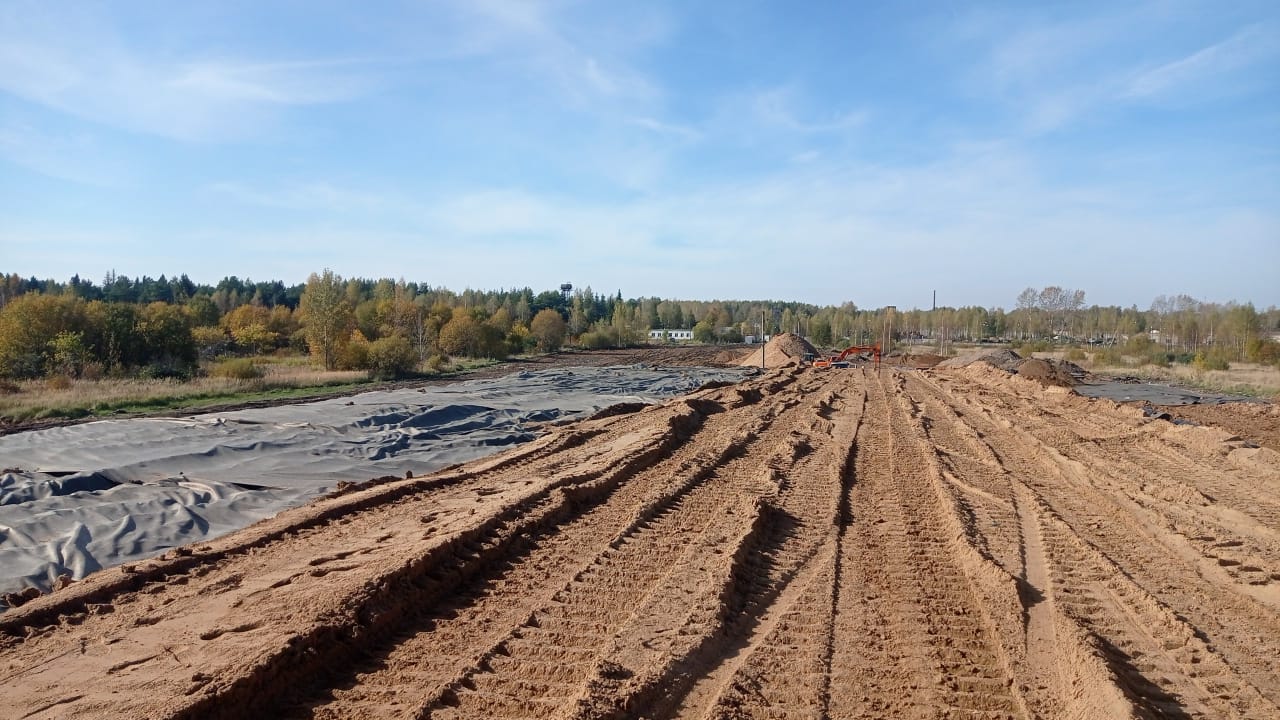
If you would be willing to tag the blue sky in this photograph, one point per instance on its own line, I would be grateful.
(822, 152)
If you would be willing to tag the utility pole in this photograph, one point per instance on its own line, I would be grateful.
(888, 329)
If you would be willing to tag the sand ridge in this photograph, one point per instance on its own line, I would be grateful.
(840, 543)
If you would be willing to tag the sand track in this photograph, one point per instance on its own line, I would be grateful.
(804, 545)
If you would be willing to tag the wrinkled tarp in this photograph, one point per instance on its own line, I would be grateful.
(98, 494)
(1154, 393)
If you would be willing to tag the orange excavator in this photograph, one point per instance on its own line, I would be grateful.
(842, 360)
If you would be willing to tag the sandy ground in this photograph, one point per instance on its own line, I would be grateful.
(806, 544)
(1258, 422)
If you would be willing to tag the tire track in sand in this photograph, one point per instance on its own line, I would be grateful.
(801, 545)
(1056, 669)
(773, 645)
(910, 635)
(653, 559)
(447, 658)
(1149, 610)
(310, 625)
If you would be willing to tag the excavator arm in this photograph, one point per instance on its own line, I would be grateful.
(873, 350)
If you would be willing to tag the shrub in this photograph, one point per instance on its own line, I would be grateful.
(92, 371)
(519, 340)
(391, 358)
(1212, 360)
(58, 382)
(549, 329)
(1109, 356)
(67, 354)
(168, 368)
(438, 362)
(237, 369)
(1266, 352)
(604, 336)
(1139, 344)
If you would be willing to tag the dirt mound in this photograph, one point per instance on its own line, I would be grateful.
(1006, 360)
(784, 349)
(1045, 371)
(1060, 373)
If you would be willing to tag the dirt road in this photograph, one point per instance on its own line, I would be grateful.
(808, 544)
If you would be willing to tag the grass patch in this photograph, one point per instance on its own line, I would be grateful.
(241, 380)
(83, 398)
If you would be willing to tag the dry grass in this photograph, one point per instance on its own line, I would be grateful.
(1242, 379)
(78, 398)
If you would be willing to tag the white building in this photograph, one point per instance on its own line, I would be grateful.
(671, 335)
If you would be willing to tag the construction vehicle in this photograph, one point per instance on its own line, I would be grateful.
(842, 360)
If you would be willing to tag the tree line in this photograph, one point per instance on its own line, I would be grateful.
(164, 327)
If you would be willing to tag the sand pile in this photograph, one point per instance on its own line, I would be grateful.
(784, 349)
(1061, 373)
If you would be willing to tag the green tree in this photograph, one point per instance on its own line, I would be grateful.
(492, 342)
(165, 333)
(548, 328)
(255, 337)
(211, 340)
(203, 311)
(820, 331)
(703, 332)
(326, 315)
(28, 324)
(112, 333)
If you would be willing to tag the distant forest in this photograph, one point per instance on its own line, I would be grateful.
(164, 327)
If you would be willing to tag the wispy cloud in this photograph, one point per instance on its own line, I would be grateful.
(1247, 47)
(780, 107)
(282, 83)
(80, 65)
(1050, 73)
(578, 62)
(681, 132)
